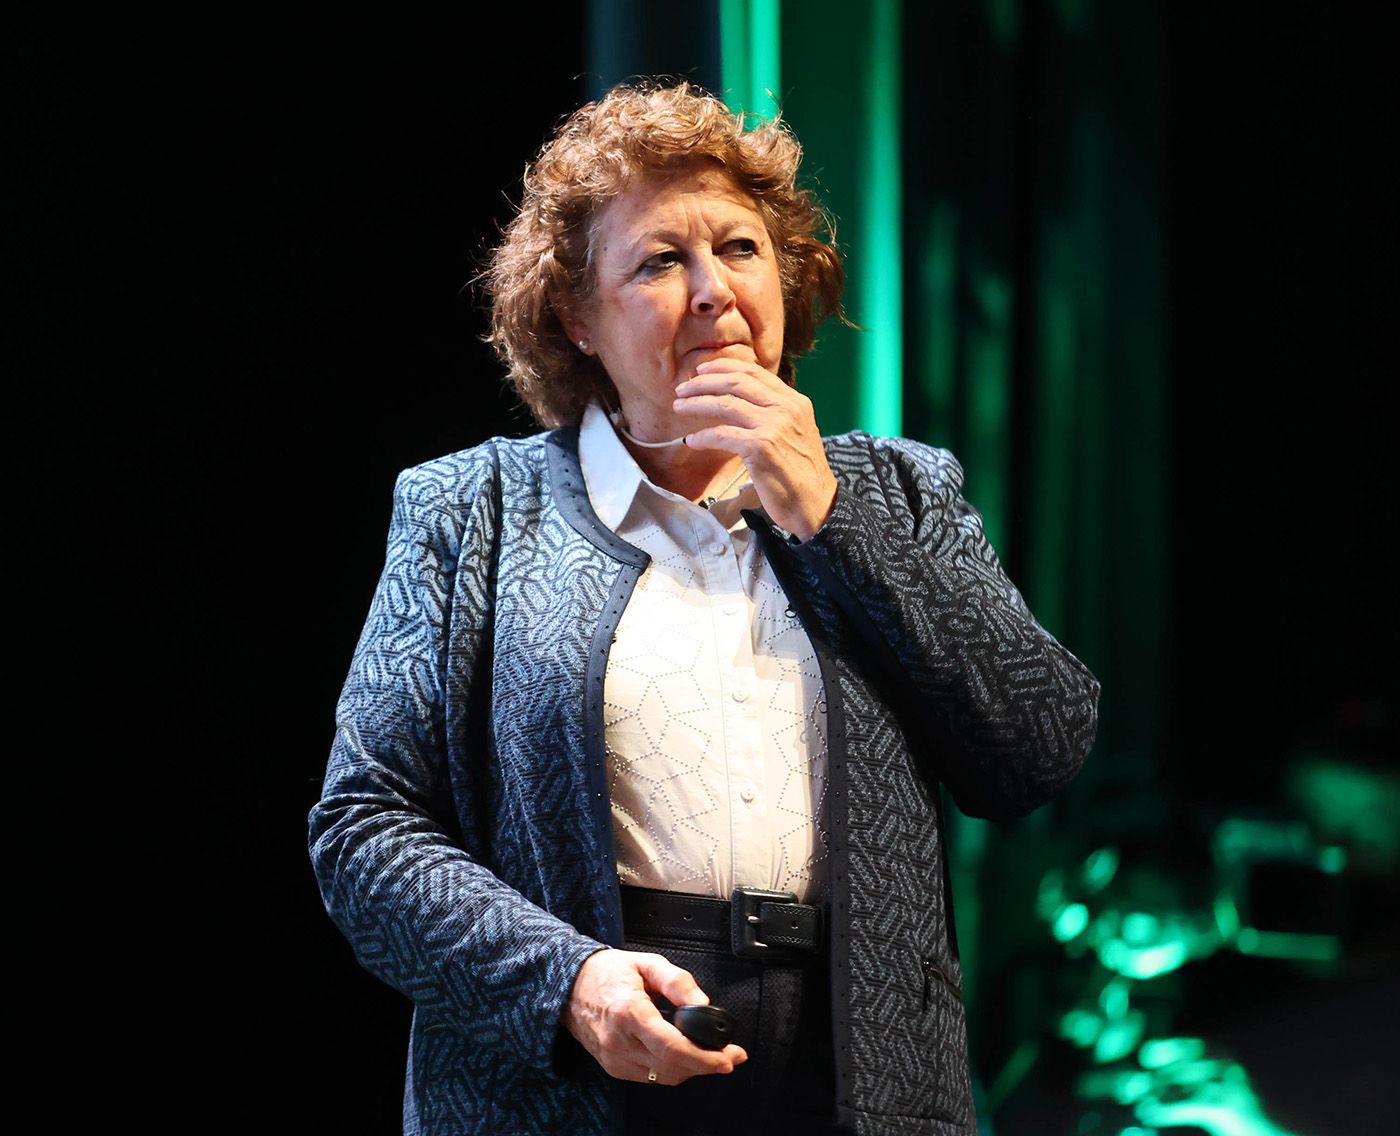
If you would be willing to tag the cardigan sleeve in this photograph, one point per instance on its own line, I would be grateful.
(1008, 714)
(420, 912)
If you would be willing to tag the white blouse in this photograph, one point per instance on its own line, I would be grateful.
(714, 715)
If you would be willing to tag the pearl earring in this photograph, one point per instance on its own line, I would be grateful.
(583, 346)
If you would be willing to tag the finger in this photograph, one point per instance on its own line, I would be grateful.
(677, 1064)
(671, 1051)
(755, 384)
(664, 977)
(741, 366)
(641, 1072)
(734, 439)
(730, 408)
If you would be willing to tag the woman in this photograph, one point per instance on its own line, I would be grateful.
(653, 708)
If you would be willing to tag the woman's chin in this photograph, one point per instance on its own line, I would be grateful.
(652, 423)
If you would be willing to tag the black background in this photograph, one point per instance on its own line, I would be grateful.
(240, 239)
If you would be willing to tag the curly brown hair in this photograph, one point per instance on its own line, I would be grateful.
(542, 271)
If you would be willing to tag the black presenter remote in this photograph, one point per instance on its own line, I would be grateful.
(709, 1027)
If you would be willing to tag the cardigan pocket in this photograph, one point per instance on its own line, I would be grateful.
(933, 973)
(941, 1029)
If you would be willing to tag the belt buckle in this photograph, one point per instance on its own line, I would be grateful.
(745, 922)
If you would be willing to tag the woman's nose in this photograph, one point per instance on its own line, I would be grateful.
(710, 293)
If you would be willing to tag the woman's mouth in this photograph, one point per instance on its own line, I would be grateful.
(719, 346)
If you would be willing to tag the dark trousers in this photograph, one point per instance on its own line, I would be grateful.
(784, 1024)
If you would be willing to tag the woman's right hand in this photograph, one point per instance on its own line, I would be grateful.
(611, 1013)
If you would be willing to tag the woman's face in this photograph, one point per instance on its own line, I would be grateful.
(685, 272)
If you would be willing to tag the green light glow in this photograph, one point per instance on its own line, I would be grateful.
(1253, 840)
(1132, 1086)
(1113, 998)
(1288, 945)
(1071, 920)
(1236, 1113)
(1227, 916)
(1139, 928)
(1354, 805)
(1012, 1073)
(1099, 868)
(880, 408)
(1332, 859)
(1147, 963)
(750, 34)
(1169, 1050)
(1125, 1086)
(1119, 1038)
(1158, 960)
(1192, 1072)
(1050, 894)
(1081, 1027)
(1184, 1089)
(843, 84)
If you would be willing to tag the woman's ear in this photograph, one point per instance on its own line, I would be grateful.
(578, 332)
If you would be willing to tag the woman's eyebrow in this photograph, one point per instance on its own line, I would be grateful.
(669, 236)
(657, 236)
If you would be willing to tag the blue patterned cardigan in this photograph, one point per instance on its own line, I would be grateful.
(463, 839)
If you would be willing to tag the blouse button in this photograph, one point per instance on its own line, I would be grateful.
(717, 548)
(741, 695)
(747, 793)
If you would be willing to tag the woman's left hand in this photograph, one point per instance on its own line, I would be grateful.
(773, 428)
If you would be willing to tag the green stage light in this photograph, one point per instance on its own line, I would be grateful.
(1099, 868)
(1169, 1050)
(1071, 921)
(750, 33)
(1120, 1038)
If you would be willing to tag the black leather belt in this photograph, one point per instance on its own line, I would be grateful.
(753, 923)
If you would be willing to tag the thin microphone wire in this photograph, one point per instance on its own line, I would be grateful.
(616, 417)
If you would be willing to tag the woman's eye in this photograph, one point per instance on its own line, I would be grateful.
(660, 261)
(742, 247)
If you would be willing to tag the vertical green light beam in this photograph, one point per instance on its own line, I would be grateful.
(734, 41)
(880, 407)
(751, 54)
